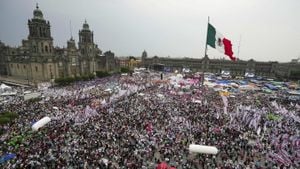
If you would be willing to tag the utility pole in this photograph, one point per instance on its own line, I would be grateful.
(26, 57)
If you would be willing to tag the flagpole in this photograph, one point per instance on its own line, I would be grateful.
(205, 52)
(206, 38)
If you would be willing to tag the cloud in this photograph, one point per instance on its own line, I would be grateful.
(175, 28)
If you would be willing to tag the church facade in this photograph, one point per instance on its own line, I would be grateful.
(37, 60)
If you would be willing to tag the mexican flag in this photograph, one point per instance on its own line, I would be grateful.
(218, 41)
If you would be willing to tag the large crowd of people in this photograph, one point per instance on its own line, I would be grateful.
(139, 121)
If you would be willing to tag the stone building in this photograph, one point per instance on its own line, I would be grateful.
(38, 60)
(237, 68)
(3, 59)
(130, 62)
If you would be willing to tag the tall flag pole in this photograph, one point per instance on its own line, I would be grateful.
(205, 52)
(206, 37)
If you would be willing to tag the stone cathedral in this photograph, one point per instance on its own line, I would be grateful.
(38, 60)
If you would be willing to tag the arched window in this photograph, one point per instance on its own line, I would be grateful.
(46, 49)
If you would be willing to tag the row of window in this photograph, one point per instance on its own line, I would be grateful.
(24, 67)
(39, 31)
(44, 48)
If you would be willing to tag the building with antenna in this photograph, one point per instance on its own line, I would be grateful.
(38, 60)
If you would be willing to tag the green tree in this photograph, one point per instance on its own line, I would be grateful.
(125, 70)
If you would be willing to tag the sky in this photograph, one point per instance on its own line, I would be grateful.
(263, 30)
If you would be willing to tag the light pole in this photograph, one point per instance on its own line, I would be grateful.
(27, 61)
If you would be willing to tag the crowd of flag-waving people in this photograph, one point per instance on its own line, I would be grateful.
(142, 122)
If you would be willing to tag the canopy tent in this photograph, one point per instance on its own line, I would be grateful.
(5, 88)
(12, 93)
(242, 82)
(234, 85)
(26, 92)
(271, 87)
(294, 92)
(7, 157)
(246, 87)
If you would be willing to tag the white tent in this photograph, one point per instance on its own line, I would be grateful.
(32, 95)
(4, 87)
(6, 90)
(27, 92)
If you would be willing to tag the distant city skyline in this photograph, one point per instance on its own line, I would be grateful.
(269, 30)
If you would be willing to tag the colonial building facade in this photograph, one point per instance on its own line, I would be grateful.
(290, 70)
(130, 62)
(38, 60)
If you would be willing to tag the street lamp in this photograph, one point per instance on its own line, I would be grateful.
(27, 61)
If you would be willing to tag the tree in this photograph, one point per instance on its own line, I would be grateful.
(125, 70)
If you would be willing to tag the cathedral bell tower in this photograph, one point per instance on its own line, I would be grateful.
(40, 46)
(86, 39)
(40, 40)
(144, 57)
(87, 49)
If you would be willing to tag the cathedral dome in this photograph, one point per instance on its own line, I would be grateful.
(85, 26)
(37, 13)
(144, 54)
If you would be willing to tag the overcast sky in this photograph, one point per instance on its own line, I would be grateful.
(269, 29)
